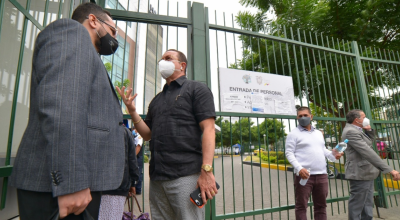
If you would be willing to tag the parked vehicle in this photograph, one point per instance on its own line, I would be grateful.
(256, 152)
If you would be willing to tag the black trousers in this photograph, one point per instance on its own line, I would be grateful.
(42, 205)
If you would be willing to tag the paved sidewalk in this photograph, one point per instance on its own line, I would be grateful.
(390, 214)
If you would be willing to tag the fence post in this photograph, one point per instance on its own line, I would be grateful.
(199, 44)
(198, 56)
(366, 107)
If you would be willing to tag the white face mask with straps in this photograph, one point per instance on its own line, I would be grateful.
(365, 122)
(167, 68)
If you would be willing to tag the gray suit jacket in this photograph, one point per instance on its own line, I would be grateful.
(362, 162)
(74, 138)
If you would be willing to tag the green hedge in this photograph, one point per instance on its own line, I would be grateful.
(145, 159)
(281, 155)
(274, 159)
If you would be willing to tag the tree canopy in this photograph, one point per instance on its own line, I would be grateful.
(369, 22)
(326, 79)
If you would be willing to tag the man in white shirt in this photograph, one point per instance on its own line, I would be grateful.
(305, 150)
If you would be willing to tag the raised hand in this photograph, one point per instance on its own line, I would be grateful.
(127, 98)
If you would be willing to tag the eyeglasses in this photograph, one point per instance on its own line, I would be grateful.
(113, 29)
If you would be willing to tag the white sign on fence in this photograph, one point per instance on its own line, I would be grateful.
(255, 92)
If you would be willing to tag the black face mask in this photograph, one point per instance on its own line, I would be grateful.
(108, 44)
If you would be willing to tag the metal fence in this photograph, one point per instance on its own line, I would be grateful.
(331, 76)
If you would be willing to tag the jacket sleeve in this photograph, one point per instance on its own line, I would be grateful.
(63, 61)
(132, 159)
(360, 146)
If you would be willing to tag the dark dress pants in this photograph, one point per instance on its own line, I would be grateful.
(361, 201)
(42, 205)
(138, 185)
(318, 186)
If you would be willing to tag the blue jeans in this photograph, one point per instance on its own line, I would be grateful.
(139, 183)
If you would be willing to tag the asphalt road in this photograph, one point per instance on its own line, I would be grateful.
(247, 188)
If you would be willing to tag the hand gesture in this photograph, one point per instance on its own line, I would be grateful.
(368, 127)
(127, 98)
(304, 174)
(336, 154)
(74, 203)
(395, 174)
(206, 182)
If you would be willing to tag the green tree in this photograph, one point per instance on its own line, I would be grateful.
(321, 76)
(370, 22)
(225, 133)
(245, 131)
(108, 66)
(273, 129)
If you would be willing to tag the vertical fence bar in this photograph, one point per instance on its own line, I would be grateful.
(297, 69)
(14, 105)
(60, 6)
(261, 167)
(304, 70)
(316, 74)
(349, 80)
(46, 8)
(199, 44)
(2, 5)
(329, 81)
(102, 3)
(344, 84)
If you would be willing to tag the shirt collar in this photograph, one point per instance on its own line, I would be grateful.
(301, 128)
(178, 81)
(357, 127)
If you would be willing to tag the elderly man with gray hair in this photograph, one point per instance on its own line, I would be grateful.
(363, 165)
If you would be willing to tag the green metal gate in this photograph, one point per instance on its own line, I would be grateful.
(330, 76)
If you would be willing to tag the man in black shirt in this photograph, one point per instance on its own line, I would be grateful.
(180, 126)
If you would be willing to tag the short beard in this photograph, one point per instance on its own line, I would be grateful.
(98, 44)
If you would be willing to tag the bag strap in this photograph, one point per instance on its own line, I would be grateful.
(140, 210)
(130, 205)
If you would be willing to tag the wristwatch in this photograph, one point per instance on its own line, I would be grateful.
(207, 167)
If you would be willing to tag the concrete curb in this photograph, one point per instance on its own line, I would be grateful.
(272, 166)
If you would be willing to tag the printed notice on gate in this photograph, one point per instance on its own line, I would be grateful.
(254, 92)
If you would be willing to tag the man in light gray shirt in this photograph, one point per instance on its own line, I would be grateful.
(305, 150)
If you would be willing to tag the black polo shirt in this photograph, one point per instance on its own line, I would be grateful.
(173, 118)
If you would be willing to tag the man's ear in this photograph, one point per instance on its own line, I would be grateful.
(92, 20)
(183, 66)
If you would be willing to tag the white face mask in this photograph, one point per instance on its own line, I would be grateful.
(167, 68)
(365, 122)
